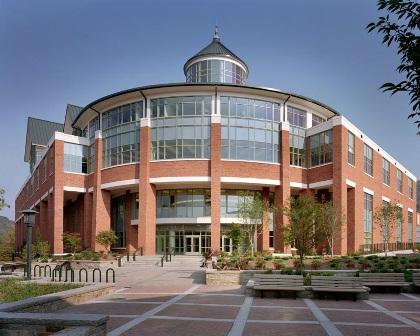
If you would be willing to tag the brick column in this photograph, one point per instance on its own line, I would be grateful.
(56, 199)
(101, 202)
(147, 195)
(351, 220)
(215, 185)
(87, 220)
(282, 192)
(339, 182)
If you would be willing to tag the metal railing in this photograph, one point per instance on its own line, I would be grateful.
(168, 255)
(134, 253)
(378, 248)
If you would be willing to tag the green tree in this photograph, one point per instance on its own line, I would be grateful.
(236, 234)
(3, 203)
(106, 238)
(388, 217)
(301, 230)
(7, 245)
(72, 241)
(41, 248)
(402, 28)
(330, 222)
(254, 214)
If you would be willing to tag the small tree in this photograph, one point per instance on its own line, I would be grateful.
(7, 245)
(254, 214)
(106, 238)
(236, 234)
(301, 229)
(41, 248)
(72, 241)
(3, 203)
(330, 221)
(388, 217)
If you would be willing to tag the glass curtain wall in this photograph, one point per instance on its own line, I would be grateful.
(183, 203)
(218, 71)
(121, 134)
(250, 129)
(321, 148)
(180, 128)
(297, 137)
(75, 158)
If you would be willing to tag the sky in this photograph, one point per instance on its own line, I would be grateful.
(54, 53)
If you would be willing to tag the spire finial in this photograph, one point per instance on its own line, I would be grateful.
(216, 31)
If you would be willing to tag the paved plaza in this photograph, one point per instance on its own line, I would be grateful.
(175, 300)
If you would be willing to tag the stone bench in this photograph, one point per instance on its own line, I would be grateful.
(338, 285)
(416, 279)
(23, 324)
(278, 283)
(384, 280)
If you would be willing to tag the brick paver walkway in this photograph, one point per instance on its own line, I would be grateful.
(175, 301)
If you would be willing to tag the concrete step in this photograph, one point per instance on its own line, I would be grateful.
(177, 261)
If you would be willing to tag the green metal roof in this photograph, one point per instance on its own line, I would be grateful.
(39, 132)
(73, 111)
(215, 48)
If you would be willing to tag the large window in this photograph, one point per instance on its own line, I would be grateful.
(317, 120)
(399, 225)
(180, 128)
(45, 167)
(121, 134)
(183, 203)
(118, 220)
(385, 171)
(410, 226)
(297, 136)
(399, 181)
(134, 206)
(367, 218)
(250, 129)
(350, 148)
(93, 127)
(368, 166)
(75, 158)
(410, 188)
(321, 148)
(219, 71)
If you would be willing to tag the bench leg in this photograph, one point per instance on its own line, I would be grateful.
(354, 297)
(295, 295)
(261, 293)
(337, 296)
(320, 296)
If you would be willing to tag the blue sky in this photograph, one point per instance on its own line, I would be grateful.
(57, 52)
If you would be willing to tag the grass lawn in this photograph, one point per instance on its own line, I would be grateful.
(14, 290)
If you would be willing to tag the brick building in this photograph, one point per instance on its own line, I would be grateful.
(164, 165)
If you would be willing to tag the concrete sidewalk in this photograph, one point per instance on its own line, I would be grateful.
(175, 301)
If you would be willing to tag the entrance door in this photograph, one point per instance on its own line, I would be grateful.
(192, 245)
(160, 244)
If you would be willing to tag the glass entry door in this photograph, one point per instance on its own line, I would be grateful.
(160, 244)
(192, 245)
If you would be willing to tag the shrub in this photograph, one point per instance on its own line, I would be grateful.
(261, 263)
(278, 264)
(316, 264)
(106, 238)
(72, 241)
(296, 263)
(269, 271)
(350, 263)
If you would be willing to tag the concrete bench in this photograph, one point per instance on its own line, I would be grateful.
(384, 280)
(66, 324)
(12, 266)
(278, 283)
(416, 279)
(337, 285)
